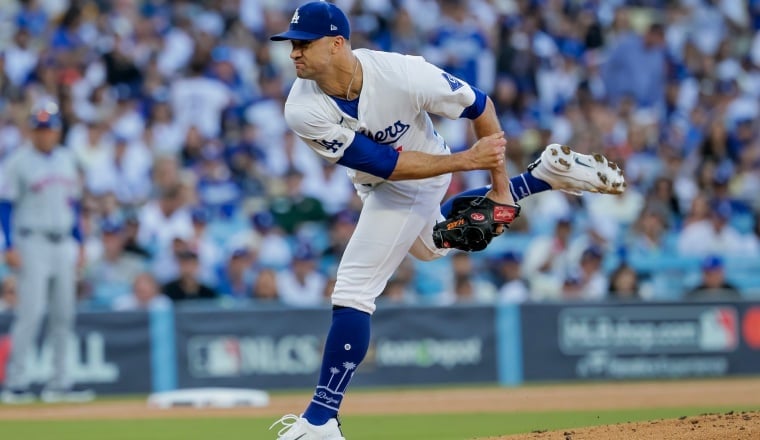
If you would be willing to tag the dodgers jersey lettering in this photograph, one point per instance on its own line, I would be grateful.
(42, 188)
(397, 93)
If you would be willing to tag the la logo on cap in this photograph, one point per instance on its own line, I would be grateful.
(295, 18)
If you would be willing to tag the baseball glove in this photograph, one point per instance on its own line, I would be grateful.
(473, 223)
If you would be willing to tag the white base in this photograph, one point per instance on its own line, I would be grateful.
(209, 398)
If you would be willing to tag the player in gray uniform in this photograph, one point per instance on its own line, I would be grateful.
(39, 193)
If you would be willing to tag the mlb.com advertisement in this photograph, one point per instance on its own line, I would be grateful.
(410, 345)
(109, 353)
(640, 341)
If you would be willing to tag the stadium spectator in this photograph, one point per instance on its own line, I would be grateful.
(619, 211)
(331, 186)
(188, 286)
(164, 134)
(714, 286)
(126, 120)
(20, 57)
(648, 235)
(199, 101)
(512, 288)
(210, 255)
(550, 252)
(662, 200)
(572, 289)
(341, 226)
(401, 288)
(469, 281)
(397, 291)
(265, 287)
(160, 223)
(460, 47)
(636, 66)
(237, 276)
(745, 183)
(713, 236)
(464, 291)
(145, 295)
(624, 284)
(294, 209)
(124, 171)
(216, 188)
(266, 239)
(111, 274)
(131, 231)
(302, 284)
(32, 16)
(90, 144)
(599, 233)
(753, 239)
(165, 174)
(592, 278)
(699, 210)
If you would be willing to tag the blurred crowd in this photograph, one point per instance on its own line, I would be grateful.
(195, 188)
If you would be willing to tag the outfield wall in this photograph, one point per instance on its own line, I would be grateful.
(276, 348)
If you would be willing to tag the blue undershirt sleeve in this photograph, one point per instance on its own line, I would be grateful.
(476, 108)
(6, 212)
(76, 230)
(366, 155)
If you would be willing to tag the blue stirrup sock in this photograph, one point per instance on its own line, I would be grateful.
(345, 348)
(520, 186)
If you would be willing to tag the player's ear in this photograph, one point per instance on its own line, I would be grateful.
(338, 42)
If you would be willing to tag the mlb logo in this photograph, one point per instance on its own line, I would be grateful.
(215, 356)
(719, 329)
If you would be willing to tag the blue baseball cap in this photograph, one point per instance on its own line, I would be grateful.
(240, 252)
(111, 227)
(200, 215)
(304, 252)
(316, 20)
(46, 115)
(509, 257)
(712, 262)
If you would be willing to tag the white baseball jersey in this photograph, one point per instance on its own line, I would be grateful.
(42, 188)
(397, 93)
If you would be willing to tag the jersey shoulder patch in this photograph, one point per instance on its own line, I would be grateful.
(454, 83)
(332, 146)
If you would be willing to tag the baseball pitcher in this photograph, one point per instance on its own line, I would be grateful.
(39, 190)
(369, 111)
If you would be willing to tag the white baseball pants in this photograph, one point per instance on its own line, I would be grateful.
(397, 219)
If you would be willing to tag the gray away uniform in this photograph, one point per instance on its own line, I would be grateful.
(43, 189)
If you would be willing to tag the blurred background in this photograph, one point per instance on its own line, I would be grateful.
(198, 193)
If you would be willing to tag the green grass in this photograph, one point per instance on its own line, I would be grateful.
(397, 427)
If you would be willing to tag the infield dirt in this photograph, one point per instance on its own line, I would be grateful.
(727, 426)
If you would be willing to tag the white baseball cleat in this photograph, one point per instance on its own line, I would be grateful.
(17, 397)
(298, 428)
(573, 172)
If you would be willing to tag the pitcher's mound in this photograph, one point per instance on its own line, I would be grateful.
(732, 425)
